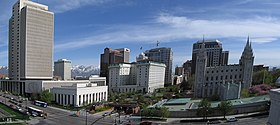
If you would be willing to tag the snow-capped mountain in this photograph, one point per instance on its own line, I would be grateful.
(4, 70)
(78, 70)
(81, 70)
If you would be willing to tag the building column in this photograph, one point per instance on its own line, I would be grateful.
(61, 99)
(82, 99)
(66, 99)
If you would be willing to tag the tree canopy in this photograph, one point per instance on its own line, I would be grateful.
(225, 107)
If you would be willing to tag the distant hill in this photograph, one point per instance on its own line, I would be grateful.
(78, 70)
(3, 70)
(81, 70)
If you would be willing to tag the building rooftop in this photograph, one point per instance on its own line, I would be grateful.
(186, 103)
(180, 101)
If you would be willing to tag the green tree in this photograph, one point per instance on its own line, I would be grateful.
(46, 96)
(245, 93)
(164, 112)
(263, 76)
(204, 108)
(225, 107)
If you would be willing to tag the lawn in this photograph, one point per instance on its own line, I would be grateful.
(12, 112)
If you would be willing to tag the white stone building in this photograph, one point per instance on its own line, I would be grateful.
(274, 112)
(143, 76)
(208, 79)
(79, 94)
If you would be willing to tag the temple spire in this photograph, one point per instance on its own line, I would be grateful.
(248, 44)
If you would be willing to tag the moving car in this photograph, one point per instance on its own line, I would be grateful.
(105, 114)
(231, 119)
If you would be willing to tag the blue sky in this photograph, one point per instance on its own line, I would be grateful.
(83, 28)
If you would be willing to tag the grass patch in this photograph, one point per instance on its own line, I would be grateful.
(12, 112)
(14, 124)
(102, 109)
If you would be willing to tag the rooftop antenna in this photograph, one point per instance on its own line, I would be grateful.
(157, 43)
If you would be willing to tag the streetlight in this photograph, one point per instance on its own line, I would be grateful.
(206, 114)
(86, 117)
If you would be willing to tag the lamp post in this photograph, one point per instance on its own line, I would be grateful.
(206, 114)
(86, 117)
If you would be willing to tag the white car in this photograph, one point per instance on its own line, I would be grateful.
(231, 119)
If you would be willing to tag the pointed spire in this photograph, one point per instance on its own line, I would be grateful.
(203, 42)
(248, 42)
(203, 38)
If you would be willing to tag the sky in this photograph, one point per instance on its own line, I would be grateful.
(83, 28)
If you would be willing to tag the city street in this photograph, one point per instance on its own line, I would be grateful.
(257, 120)
(60, 116)
(63, 117)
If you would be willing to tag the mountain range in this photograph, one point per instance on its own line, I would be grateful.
(77, 70)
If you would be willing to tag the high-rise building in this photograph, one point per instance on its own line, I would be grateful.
(187, 67)
(209, 79)
(31, 30)
(179, 71)
(62, 69)
(215, 54)
(111, 56)
(165, 56)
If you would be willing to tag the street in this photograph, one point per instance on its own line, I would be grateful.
(57, 116)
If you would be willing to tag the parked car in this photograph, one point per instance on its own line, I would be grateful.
(231, 119)
(214, 122)
(146, 123)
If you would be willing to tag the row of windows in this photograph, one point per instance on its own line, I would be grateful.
(217, 71)
(222, 77)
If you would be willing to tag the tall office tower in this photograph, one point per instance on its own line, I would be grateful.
(62, 68)
(215, 54)
(31, 30)
(165, 56)
(111, 56)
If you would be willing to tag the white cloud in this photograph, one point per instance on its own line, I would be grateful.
(167, 28)
(60, 6)
(260, 27)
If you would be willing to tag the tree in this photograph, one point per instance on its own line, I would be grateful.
(204, 108)
(245, 93)
(262, 76)
(225, 107)
(46, 96)
(164, 112)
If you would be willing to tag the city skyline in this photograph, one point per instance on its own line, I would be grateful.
(83, 28)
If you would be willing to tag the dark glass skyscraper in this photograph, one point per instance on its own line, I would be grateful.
(162, 55)
(215, 54)
(111, 56)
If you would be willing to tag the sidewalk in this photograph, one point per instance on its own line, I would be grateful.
(217, 117)
(60, 109)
